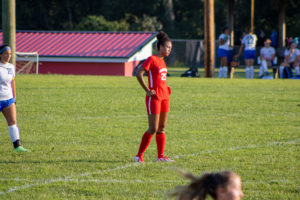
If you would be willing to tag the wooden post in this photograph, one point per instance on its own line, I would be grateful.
(252, 16)
(9, 27)
(230, 22)
(281, 23)
(209, 38)
(230, 5)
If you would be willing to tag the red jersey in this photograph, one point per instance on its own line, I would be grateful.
(157, 76)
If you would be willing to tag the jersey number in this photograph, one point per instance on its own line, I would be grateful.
(250, 40)
(163, 76)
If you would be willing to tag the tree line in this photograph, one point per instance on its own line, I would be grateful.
(182, 19)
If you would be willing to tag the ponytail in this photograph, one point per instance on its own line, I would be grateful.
(202, 186)
(162, 38)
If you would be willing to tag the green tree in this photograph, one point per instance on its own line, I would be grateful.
(99, 23)
(150, 15)
(144, 23)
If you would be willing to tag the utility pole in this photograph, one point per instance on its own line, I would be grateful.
(252, 16)
(209, 38)
(9, 26)
(230, 6)
(281, 23)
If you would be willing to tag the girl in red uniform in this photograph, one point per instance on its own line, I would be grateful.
(157, 97)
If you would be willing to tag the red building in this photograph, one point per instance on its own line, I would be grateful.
(86, 53)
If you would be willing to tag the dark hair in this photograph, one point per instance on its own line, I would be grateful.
(225, 28)
(2, 47)
(202, 186)
(162, 38)
(290, 44)
(247, 29)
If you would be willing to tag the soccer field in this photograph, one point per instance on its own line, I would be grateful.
(84, 131)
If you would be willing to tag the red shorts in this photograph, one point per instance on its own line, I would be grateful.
(157, 106)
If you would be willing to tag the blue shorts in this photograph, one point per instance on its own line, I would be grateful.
(250, 54)
(6, 103)
(222, 53)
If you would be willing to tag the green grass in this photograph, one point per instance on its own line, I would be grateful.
(85, 130)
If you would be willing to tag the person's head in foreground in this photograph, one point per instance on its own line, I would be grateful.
(5, 54)
(224, 185)
(164, 44)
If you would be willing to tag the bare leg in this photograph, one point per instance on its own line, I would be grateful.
(223, 67)
(10, 114)
(232, 72)
(153, 122)
(162, 122)
(249, 68)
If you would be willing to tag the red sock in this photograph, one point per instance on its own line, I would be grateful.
(160, 141)
(146, 139)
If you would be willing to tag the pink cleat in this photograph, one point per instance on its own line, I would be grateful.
(138, 159)
(164, 159)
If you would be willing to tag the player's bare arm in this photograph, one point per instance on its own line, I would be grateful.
(139, 76)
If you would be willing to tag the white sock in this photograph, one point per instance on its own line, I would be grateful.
(265, 69)
(14, 133)
(247, 72)
(265, 66)
(261, 71)
(281, 68)
(225, 72)
(220, 72)
(251, 72)
(297, 71)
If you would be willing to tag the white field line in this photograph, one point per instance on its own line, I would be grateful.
(65, 179)
(74, 177)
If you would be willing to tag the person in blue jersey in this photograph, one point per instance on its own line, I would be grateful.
(249, 44)
(224, 52)
(8, 96)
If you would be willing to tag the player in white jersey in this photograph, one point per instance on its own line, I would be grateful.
(267, 56)
(8, 96)
(224, 52)
(291, 61)
(249, 43)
